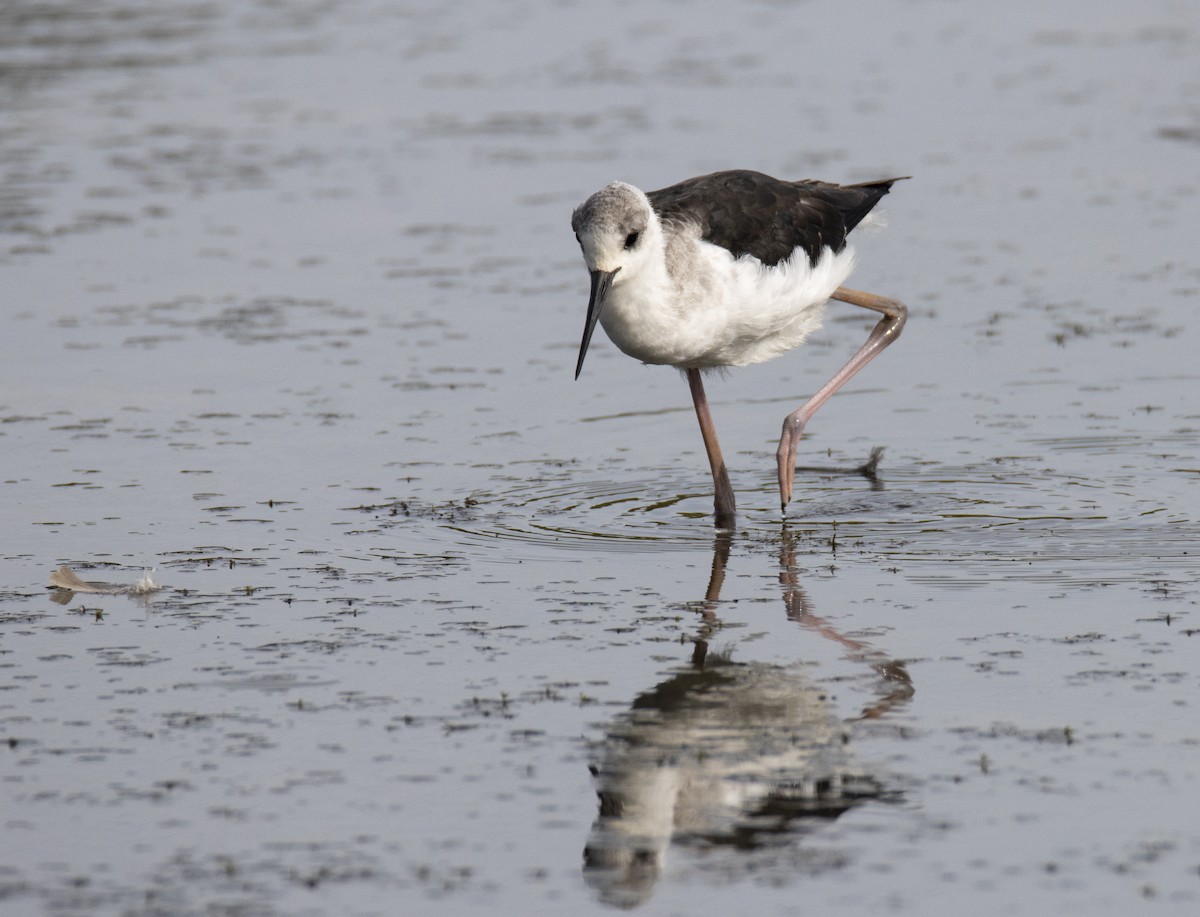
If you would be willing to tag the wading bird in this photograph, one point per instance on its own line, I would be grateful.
(725, 270)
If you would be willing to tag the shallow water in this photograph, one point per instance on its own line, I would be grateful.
(291, 308)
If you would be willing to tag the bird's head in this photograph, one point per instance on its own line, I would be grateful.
(617, 231)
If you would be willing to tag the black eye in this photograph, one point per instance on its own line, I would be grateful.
(631, 240)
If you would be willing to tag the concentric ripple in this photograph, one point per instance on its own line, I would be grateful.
(654, 509)
(961, 526)
(590, 513)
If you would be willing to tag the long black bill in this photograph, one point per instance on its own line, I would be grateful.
(601, 281)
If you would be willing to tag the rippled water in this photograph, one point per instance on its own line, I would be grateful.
(291, 308)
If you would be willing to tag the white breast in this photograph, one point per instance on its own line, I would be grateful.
(721, 311)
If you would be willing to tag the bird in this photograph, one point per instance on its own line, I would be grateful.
(728, 269)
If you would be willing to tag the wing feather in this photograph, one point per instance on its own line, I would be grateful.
(749, 213)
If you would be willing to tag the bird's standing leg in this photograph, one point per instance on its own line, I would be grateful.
(887, 330)
(724, 506)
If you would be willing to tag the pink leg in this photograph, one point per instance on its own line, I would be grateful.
(887, 330)
(724, 505)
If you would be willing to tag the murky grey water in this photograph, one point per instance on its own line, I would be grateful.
(291, 308)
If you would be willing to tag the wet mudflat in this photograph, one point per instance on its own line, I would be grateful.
(291, 308)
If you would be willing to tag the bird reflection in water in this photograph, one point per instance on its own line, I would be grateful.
(742, 755)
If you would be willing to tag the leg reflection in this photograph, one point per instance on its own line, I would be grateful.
(896, 687)
(738, 754)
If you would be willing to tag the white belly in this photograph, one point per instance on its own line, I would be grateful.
(724, 311)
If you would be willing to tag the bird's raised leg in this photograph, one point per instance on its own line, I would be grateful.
(724, 506)
(887, 330)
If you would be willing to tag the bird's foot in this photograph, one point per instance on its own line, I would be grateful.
(785, 458)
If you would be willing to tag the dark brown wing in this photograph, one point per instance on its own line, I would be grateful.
(749, 213)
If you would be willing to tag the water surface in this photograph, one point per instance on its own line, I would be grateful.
(291, 309)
